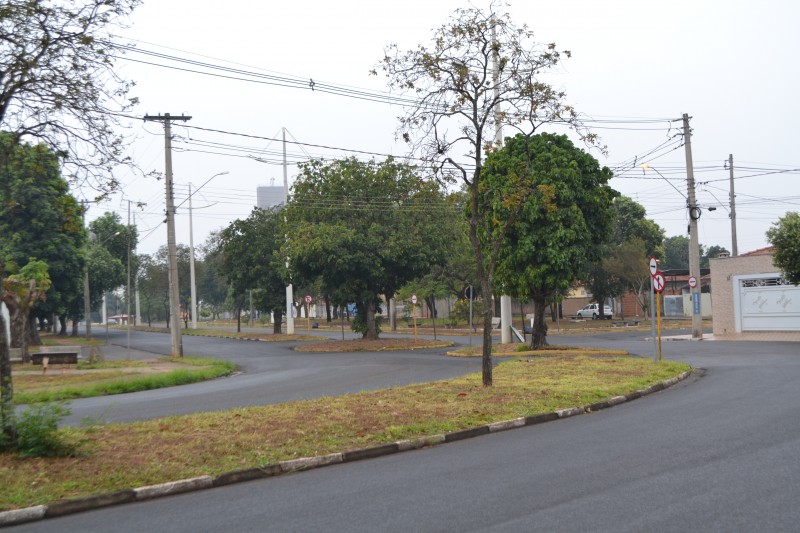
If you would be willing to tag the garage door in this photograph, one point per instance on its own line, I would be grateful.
(766, 302)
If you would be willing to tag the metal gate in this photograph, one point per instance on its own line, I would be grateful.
(766, 302)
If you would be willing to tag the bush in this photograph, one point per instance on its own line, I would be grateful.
(38, 434)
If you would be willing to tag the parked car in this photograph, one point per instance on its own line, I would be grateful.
(593, 311)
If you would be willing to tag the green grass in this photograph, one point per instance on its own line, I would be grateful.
(120, 456)
(198, 369)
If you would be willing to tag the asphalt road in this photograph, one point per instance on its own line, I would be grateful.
(717, 452)
(270, 372)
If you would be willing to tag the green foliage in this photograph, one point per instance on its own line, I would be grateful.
(40, 220)
(364, 230)
(38, 434)
(565, 219)
(784, 235)
(676, 253)
(247, 255)
(60, 85)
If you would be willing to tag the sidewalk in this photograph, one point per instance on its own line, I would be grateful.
(763, 336)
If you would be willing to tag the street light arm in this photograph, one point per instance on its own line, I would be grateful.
(645, 167)
(200, 187)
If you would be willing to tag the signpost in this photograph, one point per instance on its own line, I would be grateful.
(658, 285)
(308, 313)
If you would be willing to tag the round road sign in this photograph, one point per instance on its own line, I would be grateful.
(414, 299)
(659, 282)
(653, 266)
(692, 282)
(308, 298)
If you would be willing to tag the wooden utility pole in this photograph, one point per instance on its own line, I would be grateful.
(172, 253)
(694, 242)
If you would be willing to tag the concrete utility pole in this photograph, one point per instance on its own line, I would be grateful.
(505, 301)
(694, 242)
(172, 253)
(734, 247)
(289, 290)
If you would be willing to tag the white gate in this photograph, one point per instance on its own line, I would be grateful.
(766, 302)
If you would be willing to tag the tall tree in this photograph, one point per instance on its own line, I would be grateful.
(676, 253)
(563, 224)
(247, 255)
(710, 253)
(784, 235)
(461, 100)
(39, 219)
(605, 280)
(365, 229)
(59, 83)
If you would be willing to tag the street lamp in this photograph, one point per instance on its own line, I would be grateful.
(195, 307)
(87, 308)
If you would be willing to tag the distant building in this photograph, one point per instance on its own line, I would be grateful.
(269, 196)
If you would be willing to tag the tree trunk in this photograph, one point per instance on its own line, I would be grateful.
(277, 319)
(372, 328)
(33, 333)
(62, 321)
(328, 317)
(539, 336)
(74, 328)
(486, 351)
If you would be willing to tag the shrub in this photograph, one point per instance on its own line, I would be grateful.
(38, 434)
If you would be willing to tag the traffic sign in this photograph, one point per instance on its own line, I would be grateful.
(308, 298)
(653, 266)
(659, 282)
(414, 299)
(692, 282)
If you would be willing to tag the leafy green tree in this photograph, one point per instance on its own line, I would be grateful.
(784, 235)
(59, 83)
(676, 253)
(605, 280)
(461, 101)
(563, 223)
(154, 285)
(629, 263)
(365, 229)
(212, 287)
(39, 219)
(712, 252)
(247, 255)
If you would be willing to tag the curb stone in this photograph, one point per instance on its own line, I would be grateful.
(39, 512)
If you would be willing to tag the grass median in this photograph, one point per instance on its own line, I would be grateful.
(119, 456)
(114, 377)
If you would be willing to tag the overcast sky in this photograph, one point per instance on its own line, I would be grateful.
(731, 65)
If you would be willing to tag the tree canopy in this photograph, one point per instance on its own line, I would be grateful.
(461, 100)
(58, 83)
(247, 256)
(784, 235)
(40, 219)
(365, 229)
(563, 223)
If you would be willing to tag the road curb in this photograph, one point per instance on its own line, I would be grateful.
(39, 512)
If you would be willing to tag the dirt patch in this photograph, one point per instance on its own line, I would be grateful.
(378, 345)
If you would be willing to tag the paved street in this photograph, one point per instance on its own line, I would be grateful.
(717, 452)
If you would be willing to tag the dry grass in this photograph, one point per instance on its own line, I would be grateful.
(128, 455)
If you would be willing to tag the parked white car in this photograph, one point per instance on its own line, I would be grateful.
(593, 311)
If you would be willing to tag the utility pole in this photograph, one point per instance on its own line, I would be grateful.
(87, 309)
(734, 247)
(194, 307)
(289, 289)
(172, 253)
(694, 241)
(128, 295)
(505, 300)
